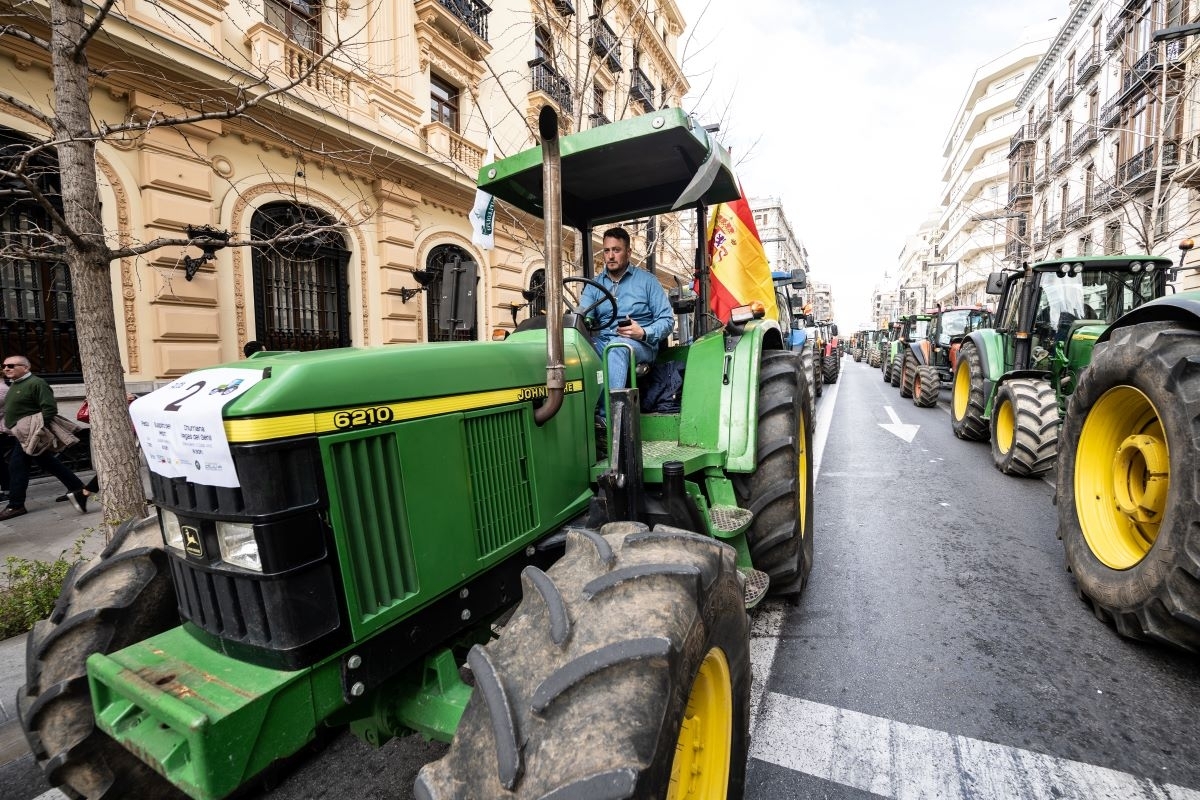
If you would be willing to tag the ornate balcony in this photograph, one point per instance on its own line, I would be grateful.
(440, 140)
(287, 62)
(1043, 121)
(1041, 175)
(1077, 214)
(1025, 135)
(597, 119)
(472, 13)
(1134, 78)
(641, 90)
(1016, 250)
(1054, 228)
(551, 84)
(605, 44)
(1089, 65)
(1059, 161)
(1084, 138)
(1018, 190)
(1138, 173)
(1114, 34)
(1103, 198)
(564, 7)
(1063, 95)
(1110, 113)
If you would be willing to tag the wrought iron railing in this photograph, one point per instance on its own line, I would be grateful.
(641, 90)
(1054, 227)
(1110, 113)
(1063, 94)
(473, 14)
(1043, 121)
(553, 85)
(1085, 136)
(1114, 34)
(1076, 214)
(1135, 171)
(605, 44)
(1040, 175)
(597, 119)
(1059, 161)
(1089, 65)
(1019, 189)
(1024, 135)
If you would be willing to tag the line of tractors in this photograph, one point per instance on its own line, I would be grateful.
(816, 341)
(1091, 365)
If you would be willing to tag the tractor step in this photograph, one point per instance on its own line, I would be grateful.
(755, 585)
(729, 521)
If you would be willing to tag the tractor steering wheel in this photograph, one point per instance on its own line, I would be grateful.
(574, 303)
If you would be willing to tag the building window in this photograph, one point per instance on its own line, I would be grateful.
(536, 293)
(443, 102)
(1112, 238)
(299, 20)
(543, 45)
(301, 289)
(37, 309)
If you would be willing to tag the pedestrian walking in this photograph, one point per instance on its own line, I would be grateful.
(29, 396)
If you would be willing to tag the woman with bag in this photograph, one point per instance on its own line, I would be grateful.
(80, 499)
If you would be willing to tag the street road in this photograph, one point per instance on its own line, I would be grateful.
(939, 650)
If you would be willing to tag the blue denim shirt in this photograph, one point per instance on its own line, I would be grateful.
(639, 296)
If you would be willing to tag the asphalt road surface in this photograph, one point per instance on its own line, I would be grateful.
(938, 652)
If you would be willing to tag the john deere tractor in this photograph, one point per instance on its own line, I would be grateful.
(424, 539)
(930, 362)
(1012, 382)
(913, 329)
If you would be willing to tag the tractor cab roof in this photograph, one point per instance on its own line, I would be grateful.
(1120, 263)
(651, 164)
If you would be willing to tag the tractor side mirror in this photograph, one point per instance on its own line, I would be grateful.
(799, 278)
(995, 283)
(797, 324)
(833, 330)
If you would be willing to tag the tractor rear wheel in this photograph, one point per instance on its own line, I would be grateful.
(624, 673)
(806, 367)
(120, 597)
(780, 490)
(1127, 484)
(831, 367)
(885, 365)
(897, 371)
(1025, 428)
(908, 374)
(967, 401)
(816, 375)
(927, 386)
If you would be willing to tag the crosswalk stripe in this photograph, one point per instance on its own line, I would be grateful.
(909, 762)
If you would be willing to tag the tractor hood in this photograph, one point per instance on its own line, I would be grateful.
(618, 171)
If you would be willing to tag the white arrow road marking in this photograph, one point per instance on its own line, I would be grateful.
(904, 431)
(893, 759)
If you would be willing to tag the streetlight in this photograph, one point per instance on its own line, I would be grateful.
(946, 264)
(911, 288)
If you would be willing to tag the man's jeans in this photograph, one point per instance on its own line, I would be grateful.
(18, 469)
(618, 357)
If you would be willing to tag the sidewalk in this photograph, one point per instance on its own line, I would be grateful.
(48, 530)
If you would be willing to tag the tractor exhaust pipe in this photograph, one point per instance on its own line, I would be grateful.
(552, 216)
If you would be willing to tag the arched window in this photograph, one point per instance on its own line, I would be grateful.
(536, 293)
(37, 310)
(439, 292)
(301, 290)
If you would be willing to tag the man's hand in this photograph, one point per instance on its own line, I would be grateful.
(632, 331)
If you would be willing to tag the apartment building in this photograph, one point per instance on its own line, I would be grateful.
(884, 302)
(784, 250)
(1101, 163)
(371, 124)
(974, 204)
(914, 288)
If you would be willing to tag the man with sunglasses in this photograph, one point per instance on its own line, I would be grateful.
(28, 395)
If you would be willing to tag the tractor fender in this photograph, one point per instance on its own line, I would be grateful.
(1183, 308)
(990, 346)
(920, 351)
(1036, 374)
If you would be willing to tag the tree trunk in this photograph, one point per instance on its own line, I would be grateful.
(114, 445)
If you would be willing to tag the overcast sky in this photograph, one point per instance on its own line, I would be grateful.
(841, 110)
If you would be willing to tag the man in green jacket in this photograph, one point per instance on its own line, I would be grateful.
(29, 394)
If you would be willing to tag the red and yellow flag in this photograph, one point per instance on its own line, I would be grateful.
(740, 272)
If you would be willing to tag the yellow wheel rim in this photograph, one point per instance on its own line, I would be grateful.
(700, 770)
(1006, 427)
(962, 389)
(1122, 474)
(802, 474)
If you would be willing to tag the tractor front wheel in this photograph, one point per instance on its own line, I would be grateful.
(967, 401)
(927, 387)
(1025, 428)
(908, 375)
(780, 490)
(624, 673)
(1127, 484)
(831, 367)
(897, 371)
(120, 597)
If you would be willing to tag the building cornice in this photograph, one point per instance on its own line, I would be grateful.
(1062, 39)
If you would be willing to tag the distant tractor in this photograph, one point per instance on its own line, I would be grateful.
(914, 329)
(789, 299)
(889, 348)
(931, 360)
(1128, 492)
(1012, 382)
(831, 354)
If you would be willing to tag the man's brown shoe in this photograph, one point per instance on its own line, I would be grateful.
(11, 512)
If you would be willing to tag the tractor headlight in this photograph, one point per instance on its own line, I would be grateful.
(238, 545)
(171, 530)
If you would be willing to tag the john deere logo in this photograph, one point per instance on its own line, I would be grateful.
(191, 541)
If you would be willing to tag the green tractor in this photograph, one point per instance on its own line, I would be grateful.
(913, 329)
(930, 362)
(1011, 383)
(876, 341)
(424, 539)
(1127, 494)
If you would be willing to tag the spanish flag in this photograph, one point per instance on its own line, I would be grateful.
(740, 272)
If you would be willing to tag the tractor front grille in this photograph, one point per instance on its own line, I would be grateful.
(501, 489)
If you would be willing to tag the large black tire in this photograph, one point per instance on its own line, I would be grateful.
(908, 374)
(967, 402)
(780, 490)
(120, 597)
(897, 370)
(885, 366)
(816, 376)
(831, 367)
(1025, 428)
(586, 693)
(927, 387)
(806, 367)
(1127, 484)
